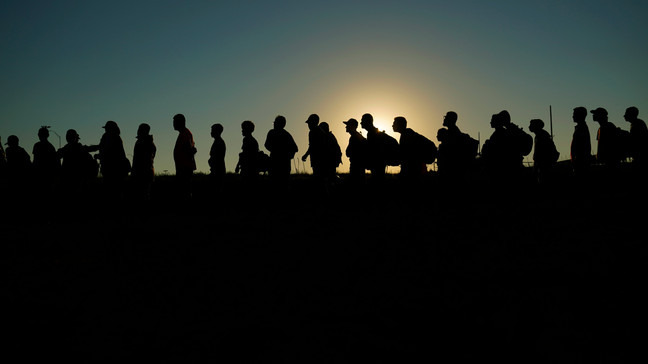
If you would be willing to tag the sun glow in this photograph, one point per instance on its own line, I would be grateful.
(385, 98)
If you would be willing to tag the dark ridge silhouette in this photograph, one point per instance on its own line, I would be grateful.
(344, 281)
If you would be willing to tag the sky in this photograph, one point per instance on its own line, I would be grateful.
(78, 64)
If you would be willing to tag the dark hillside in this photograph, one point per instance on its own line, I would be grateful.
(388, 275)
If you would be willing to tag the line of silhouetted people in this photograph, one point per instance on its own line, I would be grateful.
(458, 156)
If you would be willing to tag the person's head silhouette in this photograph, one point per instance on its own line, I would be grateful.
(43, 133)
(325, 126)
(111, 128)
(505, 117)
(600, 115)
(312, 121)
(72, 137)
(247, 128)
(351, 125)
(143, 130)
(536, 125)
(579, 115)
(496, 121)
(279, 122)
(450, 119)
(12, 141)
(631, 114)
(366, 122)
(400, 124)
(216, 130)
(179, 122)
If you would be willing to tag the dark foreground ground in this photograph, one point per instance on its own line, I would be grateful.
(393, 275)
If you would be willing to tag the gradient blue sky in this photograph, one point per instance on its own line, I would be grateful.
(77, 64)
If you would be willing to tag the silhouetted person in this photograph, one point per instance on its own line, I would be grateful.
(217, 157)
(333, 156)
(114, 164)
(356, 151)
(449, 164)
(143, 172)
(18, 161)
(495, 149)
(520, 142)
(460, 150)
(316, 148)
(609, 148)
(3, 163)
(411, 150)
(545, 154)
(638, 141)
(248, 164)
(183, 156)
(282, 149)
(46, 164)
(18, 167)
(78, 167)
(504, 151)
(376, 159)
(581, 146)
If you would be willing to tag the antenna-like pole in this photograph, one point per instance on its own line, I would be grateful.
(551, 121)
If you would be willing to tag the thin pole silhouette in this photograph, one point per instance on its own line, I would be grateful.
(550, 122)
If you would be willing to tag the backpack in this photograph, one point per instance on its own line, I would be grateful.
(427, 149)
(263, 162)
(553, 157)
(622, 143)
(469, 145)
(389, 149)
(523, 142)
